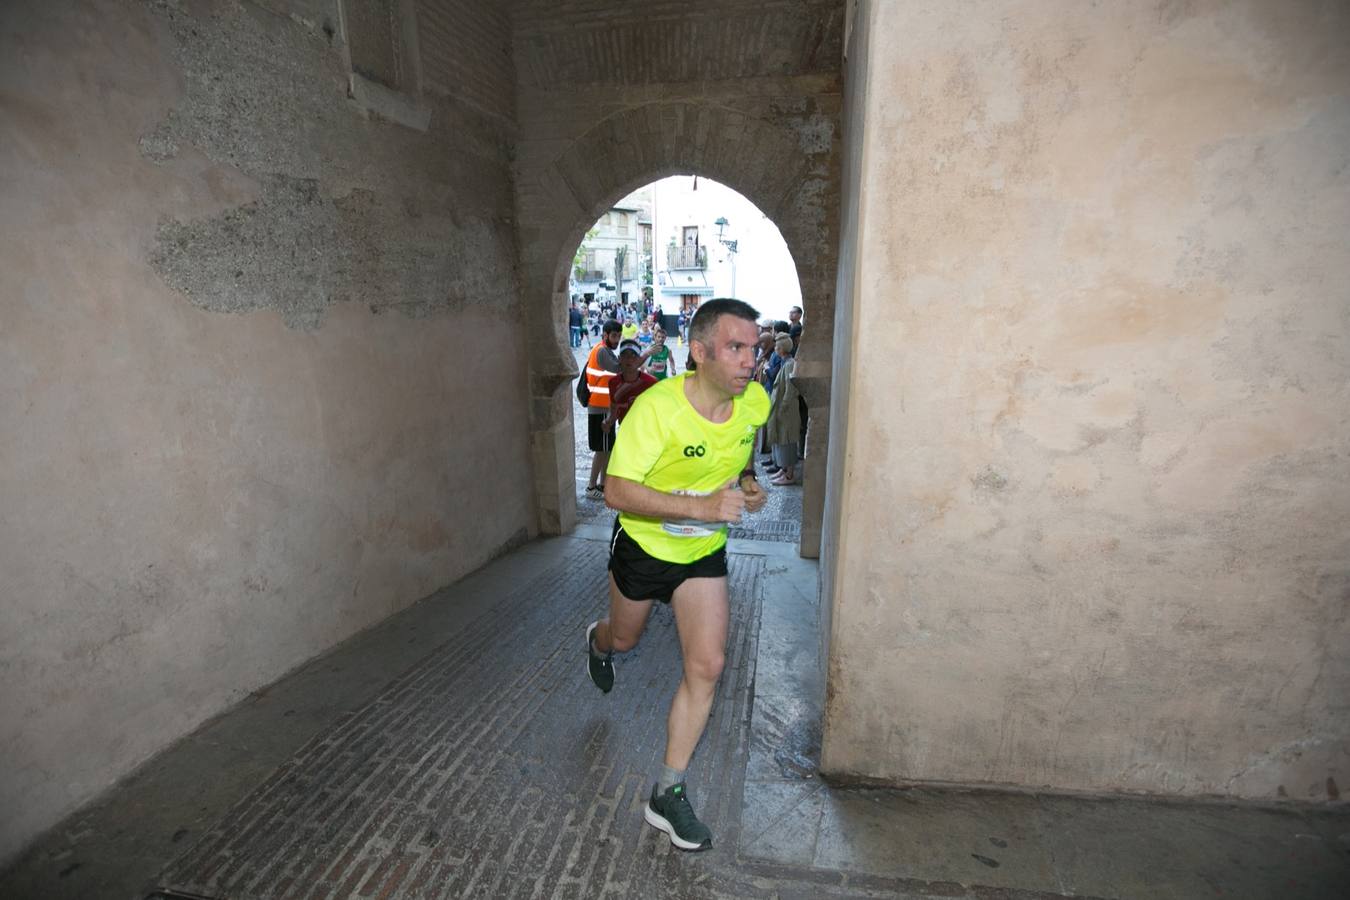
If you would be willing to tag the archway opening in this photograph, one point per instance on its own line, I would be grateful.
(649, 261)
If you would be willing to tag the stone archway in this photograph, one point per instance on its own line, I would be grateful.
(779, 164)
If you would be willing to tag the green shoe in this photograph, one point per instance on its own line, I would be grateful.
(670, 811)
(600, 668)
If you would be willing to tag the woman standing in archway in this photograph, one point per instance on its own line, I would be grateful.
(785, 422)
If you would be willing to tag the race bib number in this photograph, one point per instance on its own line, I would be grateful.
(691, 528)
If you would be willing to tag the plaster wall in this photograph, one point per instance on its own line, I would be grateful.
(261, 363)
(1094, 521)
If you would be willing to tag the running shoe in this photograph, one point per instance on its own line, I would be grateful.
(600, 668)
(670, 811)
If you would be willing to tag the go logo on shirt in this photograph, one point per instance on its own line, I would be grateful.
(695, 451)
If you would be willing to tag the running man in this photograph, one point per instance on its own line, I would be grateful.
(661, 363)
(681, 473)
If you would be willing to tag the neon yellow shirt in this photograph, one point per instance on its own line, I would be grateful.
(629, 332)
(666, 445)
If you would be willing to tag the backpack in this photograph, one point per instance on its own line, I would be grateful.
(583, 389)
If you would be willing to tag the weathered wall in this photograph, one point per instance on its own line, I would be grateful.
(613, 95)
(1096, 519)
(263, 375)
(852, 123)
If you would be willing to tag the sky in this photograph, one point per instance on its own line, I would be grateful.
(764, 276)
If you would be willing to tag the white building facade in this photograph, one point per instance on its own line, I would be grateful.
(713, 242)
(624, 231)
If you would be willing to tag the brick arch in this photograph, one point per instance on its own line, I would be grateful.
(762, 161)
(766, 162)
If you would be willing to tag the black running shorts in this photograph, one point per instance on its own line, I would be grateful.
(601, 440)
(644, 577)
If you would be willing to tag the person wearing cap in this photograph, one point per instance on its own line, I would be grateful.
(625, 387)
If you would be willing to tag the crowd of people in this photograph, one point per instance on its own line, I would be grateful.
(632, 352)
(784, 436)
(639, 322)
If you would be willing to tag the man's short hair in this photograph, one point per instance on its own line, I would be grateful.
(705, 318)
(612, 325)
(796, 309)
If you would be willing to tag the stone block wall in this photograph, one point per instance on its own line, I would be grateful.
(261, 348)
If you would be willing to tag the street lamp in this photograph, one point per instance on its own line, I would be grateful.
(722, 225)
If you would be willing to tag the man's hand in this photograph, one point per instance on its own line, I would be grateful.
(725, 505)
(755, 496)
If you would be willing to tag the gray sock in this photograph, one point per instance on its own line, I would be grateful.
(669, 778)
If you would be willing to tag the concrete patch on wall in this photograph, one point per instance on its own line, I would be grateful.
(298, 251)
(349, 208)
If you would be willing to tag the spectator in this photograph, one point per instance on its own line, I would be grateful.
(574, 322)
(601, 365)
(784, 426)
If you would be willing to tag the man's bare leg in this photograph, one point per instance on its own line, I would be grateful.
(702, 613)
(599, 460)
(627, 620)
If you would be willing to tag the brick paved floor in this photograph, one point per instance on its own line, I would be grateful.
(476, 773)
(457, 749)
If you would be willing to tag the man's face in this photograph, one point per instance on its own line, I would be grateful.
(728, 360)
(794, 315)
(611, 339)
(628, 362)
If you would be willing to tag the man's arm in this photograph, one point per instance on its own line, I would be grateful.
(636, 498)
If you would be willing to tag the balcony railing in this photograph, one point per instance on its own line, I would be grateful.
(591, 275)
(687, 257)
